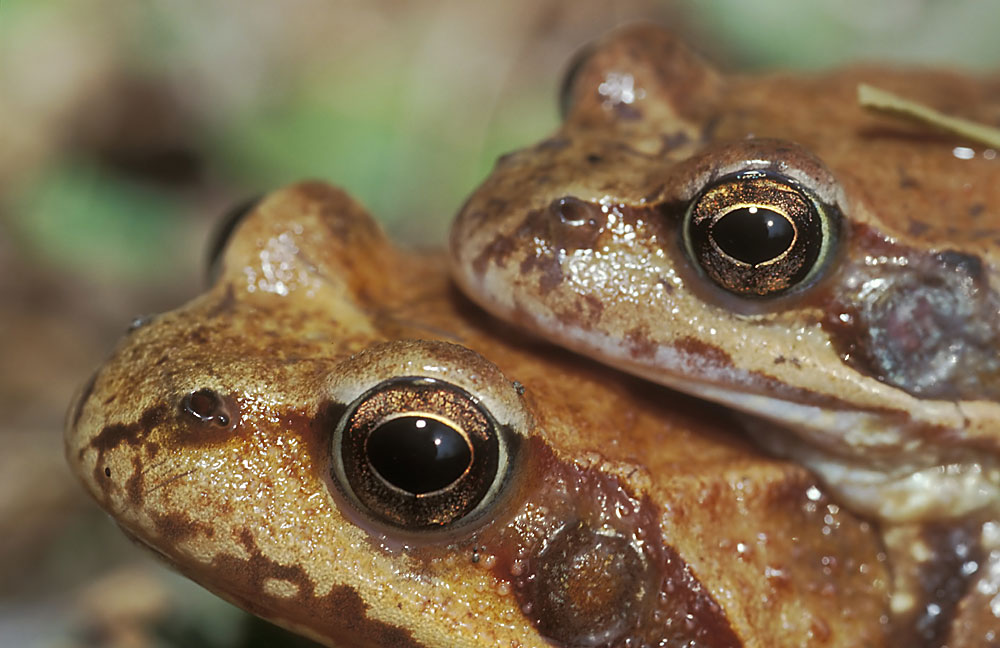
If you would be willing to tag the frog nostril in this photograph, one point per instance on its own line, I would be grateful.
(419, 454)
(207, 406)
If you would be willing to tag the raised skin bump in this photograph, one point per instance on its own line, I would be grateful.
(312, 308)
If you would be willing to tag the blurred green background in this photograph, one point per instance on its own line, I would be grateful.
(128, 128)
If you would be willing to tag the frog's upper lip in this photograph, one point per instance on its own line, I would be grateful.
(882, 419)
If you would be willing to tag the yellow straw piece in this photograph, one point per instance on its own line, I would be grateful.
(878, 99)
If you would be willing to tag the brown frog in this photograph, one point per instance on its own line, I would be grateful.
(332, 438)
(769, 244)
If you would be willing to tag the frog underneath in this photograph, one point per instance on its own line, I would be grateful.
(766, 243)
(249, 438)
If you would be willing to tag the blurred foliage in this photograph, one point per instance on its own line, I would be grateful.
(402, 118)
(809, 35)
(77, 212)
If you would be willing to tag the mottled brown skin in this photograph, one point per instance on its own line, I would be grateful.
(630, 514)
(579, 239)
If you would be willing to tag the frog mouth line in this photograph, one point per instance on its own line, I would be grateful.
(875, 467)
(872, 457)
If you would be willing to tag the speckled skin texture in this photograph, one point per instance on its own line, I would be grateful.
(630, 514)
(881, 372)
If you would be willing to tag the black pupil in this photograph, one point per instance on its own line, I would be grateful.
(417, 454)
(753, 234)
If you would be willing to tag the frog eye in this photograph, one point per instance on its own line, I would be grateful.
(224, 232)
(419, 454)
(758, 234)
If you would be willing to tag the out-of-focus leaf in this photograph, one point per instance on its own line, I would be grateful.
(79, 218)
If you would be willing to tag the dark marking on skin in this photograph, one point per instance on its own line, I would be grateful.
(497, 252)
(592, 569)
(945, 583)
(199, 336)
(505, 159)
(225, 305)
(711, 354)
(134, 484)
(111, 436)
(547, 268)
(944, 576)
(593, 307)
(709, 127)
(917, 228)
(152, 417)
(175, 528)
(594, 158)
(568, 223)
(982, 234)
(340, 615)
(114, 435)
(906, 181)
(712, 357)
(495, 204)
(675, 140)
(976, 210)
(640, 345)
(654, 195)
(668, 287)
